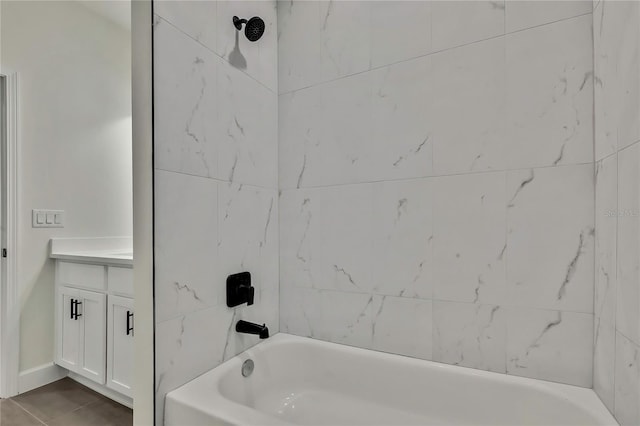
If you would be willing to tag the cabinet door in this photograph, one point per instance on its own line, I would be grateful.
(93, 338)
(120, 344)
(67, 329)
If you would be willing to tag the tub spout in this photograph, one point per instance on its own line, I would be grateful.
(250, 328)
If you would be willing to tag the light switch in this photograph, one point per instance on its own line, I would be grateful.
(41, 218)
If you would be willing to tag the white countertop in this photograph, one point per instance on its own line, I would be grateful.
(108, 251)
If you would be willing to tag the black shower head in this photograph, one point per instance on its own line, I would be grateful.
(253, 29)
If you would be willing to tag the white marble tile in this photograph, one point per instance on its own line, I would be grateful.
(550, 233)
(469, 241)
(186, 211)
(628, 254)
(617, 66)
(345, 134)
(184, 103)
(258, 59)
(521, 14)
(604, 361)
(469, 107)
(402, 253)
(188, 346)
(248, 229)
(550, 345)
(248, 135)
(606, 224)
(339, 317)
(298, 133)
(195, 18)
(627, 380)
(367, 127)
(298, 44)
(345, 37)
(403, 326)
(401, 140)
(455, 23)
(400, 30)
(550, 94)
(327, 127)
(469, 335)
(327, 238)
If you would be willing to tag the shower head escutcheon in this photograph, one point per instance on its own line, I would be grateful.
(253, 28)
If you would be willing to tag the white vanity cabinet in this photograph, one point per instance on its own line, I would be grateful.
(82, 335)
(120, 344)
(95, 323)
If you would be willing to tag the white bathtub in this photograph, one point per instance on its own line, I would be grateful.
(300, 381)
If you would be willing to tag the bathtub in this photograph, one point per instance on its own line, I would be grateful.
(301, 381)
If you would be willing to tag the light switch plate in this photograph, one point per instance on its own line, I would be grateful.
(41, 218)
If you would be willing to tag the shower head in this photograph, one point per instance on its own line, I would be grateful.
(253, 29)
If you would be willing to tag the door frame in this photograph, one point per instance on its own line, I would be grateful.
(9, 289)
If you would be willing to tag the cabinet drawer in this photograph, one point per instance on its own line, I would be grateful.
(120, 280)
(82, 275)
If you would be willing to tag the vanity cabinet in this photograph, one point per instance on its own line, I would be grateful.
(120, 344)
(82, 335)
(95, 323)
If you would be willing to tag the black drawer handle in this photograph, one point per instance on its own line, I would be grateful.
(71, 308)
(129, 323)
(75, 309)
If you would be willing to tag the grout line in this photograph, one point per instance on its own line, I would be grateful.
(437, 176)
(216, 54)
(220, 181)
(432, 299)
(27, 411)
(434, 52)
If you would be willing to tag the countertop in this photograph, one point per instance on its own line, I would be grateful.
(107, 251)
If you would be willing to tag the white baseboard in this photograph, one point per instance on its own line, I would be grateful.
(40, 376)
(101, 389)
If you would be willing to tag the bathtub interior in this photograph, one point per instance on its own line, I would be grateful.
(303, 381)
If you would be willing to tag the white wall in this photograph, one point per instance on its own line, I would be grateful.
(617, 150)
(142, 113)
(216, 189)
(437, 181)
(75, 142)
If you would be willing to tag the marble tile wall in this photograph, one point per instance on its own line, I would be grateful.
(617, 245)
(216, 183)
(437, 181)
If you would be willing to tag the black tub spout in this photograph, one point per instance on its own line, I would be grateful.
(250, 328)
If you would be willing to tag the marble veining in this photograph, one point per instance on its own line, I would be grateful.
(617, 131)
(550, 345)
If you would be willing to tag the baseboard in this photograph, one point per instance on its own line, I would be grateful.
(101, 389)
(40, 376)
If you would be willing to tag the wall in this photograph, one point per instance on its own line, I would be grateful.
(216, 187)
(437, 181)
(75, 143)
(142, 135)
(617, 151)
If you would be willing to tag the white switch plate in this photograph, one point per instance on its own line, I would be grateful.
(47, 218)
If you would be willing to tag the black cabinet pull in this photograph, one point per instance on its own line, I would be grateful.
(75, 310)
(129, 323)
(71, 308)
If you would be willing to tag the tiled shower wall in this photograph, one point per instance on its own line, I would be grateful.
(216, 206)
(437, 181)
(617, 151)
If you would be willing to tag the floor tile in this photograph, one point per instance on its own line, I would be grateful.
(12, 415)
(56, 399)
(101, 413)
